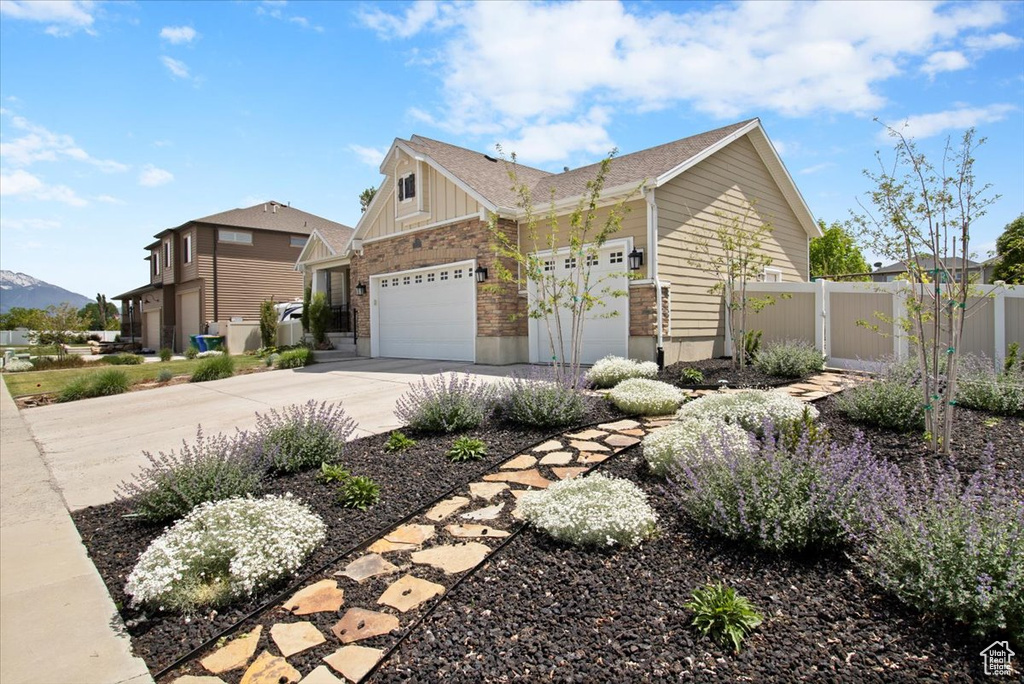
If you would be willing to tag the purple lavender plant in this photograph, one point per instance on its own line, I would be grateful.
(300, 437)
(445, 403)
(539, 398)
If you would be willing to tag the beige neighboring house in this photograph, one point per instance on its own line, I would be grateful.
(218, 268)
(419, 269)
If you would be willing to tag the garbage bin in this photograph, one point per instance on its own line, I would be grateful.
(201, 342)
(215, 342)
(193, 342)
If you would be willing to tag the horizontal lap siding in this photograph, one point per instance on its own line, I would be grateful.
(730, 181)
(249, 274)
(634, 225)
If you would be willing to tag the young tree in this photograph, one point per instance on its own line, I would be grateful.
(1010, 248)
(923, 210)
(563, 302)
(319, 319)
(731, 250)
(365, 197)
(268, 324)
(836, 253)
(58, 326)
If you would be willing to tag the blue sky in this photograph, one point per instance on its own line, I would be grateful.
(121, 119)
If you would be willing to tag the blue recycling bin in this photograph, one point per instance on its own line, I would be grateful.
(201, 342)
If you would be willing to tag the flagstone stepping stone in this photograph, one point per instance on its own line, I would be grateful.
(622, 441)
(446, 508)
(487, 490)
(619, 425)
(556, 458)
(489, 513)
(518, 493)
(322, 597)
(235, 654)
(550, 445)
(475, 531)
(370, 565)
(588, 434)
(663, 422)
(587, 457)
(568, 473)
(530, 478)
(192, 679)
(634, 433)
(270, 669)
(404, 538)
(520, 462)
(358, 624)
(354, 661)
(409, 592)
(588, 446)
(295, 637)
(811, 396)
(321, 675)
(453, 558)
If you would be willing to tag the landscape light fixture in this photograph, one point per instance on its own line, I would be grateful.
(636, 260)
(360, 289)
(481, 274)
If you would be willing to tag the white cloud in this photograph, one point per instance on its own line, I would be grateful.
(28, 224)
(419, 16)
(152, 177)
(922, 126)
(817, 168)
(945, 60)
(177, 68)
(109, 199)
(20, 183)
(547, 142)
(368, 155)
(275, 10)
(178, 34)
(62, 18)
(993, 41)
(39, 144)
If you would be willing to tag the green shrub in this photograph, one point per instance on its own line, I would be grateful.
(639, 396)
(165, 354)
(592, 511)
(108, 382)
(305, 436)
(213, 368)
(691, 376)
(268, 323)
(980, 387)
(540, 403)
(124, 359)
(749, 409)
(77, 388)
(191, 352)
(359, 492)
(723, 614)
(56, 363)
(751, 344)
(467, 449)
(789, 359)
(888, 403)
(208, 469)
(332, 472)
(165, 375)
(293, 358)
(397, 441)
(445, 403)
(319, 318)
(611, 370)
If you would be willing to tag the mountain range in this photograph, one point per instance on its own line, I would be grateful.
(20, 289)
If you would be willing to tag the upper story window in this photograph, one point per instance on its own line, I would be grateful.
(298, 241)
(155, 259)
(236, 236)
(167, 254)
(186, 247)
(407, 187)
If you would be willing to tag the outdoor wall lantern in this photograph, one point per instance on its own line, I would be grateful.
(636, 260)
(481, 274)
(360, 289)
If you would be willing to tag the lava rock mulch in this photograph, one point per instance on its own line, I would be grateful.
(541, 610)
(720, 369)
(408, 481)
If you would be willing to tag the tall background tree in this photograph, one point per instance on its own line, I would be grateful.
(1010, 249)
(100, 319)
(365, 197)
(835, 253)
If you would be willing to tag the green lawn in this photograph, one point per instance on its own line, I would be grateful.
(37, 382)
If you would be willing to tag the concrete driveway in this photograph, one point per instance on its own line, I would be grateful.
(91, 446)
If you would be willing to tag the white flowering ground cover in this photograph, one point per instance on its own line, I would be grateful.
(642, 397)
(749, 408)
(611, 370)
(18, 366)
(224, 550)
(690, 441)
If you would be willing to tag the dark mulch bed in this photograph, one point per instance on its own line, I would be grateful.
(408, 481)
(541, 610)
(720, 369)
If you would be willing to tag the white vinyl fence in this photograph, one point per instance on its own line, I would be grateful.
(848, 321)
(20, 337)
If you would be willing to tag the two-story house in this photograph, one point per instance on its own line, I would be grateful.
(220, 267)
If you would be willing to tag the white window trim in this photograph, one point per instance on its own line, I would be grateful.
(156, 263)
(167, 254)
(401, 182)
(293, 238)
(187, 247)
(776, 272)
(221, 232)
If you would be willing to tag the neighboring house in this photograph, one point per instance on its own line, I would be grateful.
(220, 267)
(898, 270)
(414, 271)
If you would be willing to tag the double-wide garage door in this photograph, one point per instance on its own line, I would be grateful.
(426, 313)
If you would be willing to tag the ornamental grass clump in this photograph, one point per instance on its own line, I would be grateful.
(108, 382)
(224, 551)
(689, 441)
(642, 397)
(611, 370)
(955, 548)
(979, 386)
(300, 437)
(540, 402)
(445, 403)
(789, 359)
(213, 368)
(208, 469)
(592, 511)
(750, 409)
(812, 496)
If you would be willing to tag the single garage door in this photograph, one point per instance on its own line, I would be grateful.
(606, 328)
(190, 324)
(426, 314)
(151, 324)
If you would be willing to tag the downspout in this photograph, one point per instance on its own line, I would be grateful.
(652, 270)
(215, 311)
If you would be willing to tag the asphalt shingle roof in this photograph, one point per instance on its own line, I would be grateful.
(927, 263)
(336, 237)
(272, 216)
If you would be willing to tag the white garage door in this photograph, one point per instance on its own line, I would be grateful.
(606, 328)
(426, 314)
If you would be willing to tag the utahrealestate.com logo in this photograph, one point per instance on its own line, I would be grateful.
(997, 658)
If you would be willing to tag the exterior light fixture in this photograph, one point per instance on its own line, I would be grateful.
(636, 260)
(360, 289)
(481, 274)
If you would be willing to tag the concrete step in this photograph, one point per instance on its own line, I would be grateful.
(335, 354)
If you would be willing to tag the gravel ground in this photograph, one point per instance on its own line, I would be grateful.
(720, 369)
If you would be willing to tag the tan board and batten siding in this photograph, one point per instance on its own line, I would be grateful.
(730, 182)
(446, 201)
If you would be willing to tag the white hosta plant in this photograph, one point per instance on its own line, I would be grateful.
(224, 550)
(642, 397)
(749, 409)
(611, 370)
(692, 441)
(592, 511)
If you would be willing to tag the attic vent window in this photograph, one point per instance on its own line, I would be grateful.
(407, 187)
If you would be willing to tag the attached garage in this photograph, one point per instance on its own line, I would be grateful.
(606, 328)
(190, 322)
(427, 313)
